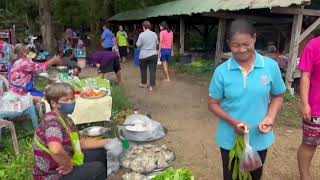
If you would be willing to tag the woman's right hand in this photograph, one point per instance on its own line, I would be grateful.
(241, 128)
(63, 170)
(305, 111)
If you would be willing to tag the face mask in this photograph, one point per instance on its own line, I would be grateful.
(67, 108)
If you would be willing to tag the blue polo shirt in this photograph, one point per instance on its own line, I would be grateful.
(107, 36)
(246, 98)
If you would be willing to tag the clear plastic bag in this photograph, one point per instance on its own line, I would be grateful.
(114, 151)
(250, 159)
(153, 129)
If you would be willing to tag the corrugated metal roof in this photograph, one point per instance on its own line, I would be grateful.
(189, 7)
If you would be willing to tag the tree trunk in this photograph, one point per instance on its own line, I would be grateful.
(45, 24)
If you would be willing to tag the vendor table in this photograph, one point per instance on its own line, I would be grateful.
(90, 110)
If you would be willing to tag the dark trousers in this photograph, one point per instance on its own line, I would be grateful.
(108, 49)
(227, 175)
(93, 168)
(150, 62)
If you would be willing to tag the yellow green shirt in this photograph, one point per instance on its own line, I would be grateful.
(122, 38)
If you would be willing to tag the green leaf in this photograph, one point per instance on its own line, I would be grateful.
(235, 170)
(231, 157)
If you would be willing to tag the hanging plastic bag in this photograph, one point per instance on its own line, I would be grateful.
(250, 159)
(114, 150)
(159, 60)
(136, 57)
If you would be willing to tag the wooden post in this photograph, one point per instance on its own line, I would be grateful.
(182, 29)
(309, 30)
(294, 48)
(220, 40)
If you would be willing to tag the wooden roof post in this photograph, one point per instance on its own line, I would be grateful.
(294, 48)
(182, 30)
(220, 41)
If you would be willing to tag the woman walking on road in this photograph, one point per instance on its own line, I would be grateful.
(310, 106)
(245, 92)
(166, 48)
(148, 42)
(123, 43)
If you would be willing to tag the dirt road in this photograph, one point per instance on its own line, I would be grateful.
(181, 106)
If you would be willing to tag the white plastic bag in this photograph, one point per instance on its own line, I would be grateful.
(114, 150)
(153, 129)
(159, 60)
(250, 159)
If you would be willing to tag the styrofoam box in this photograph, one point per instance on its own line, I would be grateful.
(18, 106)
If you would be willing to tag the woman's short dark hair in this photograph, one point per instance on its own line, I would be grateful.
(165, 26)
(56, 91)
(146, 24)
(241, 26)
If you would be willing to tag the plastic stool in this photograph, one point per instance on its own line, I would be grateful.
(10, 125)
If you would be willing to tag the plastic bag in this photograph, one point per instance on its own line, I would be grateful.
(250, 159)
(114, 150)
(159, 60)
(153, 131)
(136, 57)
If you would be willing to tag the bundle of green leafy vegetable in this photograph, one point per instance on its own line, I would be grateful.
(99, 82)
(234, 155)
(178, 174)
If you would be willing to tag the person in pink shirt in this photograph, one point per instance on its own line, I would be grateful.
(310, 105)
(166, 48)
(23, 70)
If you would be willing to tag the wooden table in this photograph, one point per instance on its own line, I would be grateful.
(90, 110)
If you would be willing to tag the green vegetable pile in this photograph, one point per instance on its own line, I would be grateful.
(234, 155)
(99, 82)
(179, 174)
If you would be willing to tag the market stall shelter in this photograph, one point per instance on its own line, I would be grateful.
(274, 12)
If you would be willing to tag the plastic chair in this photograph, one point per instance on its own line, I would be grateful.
(31, 111)
(10, 125)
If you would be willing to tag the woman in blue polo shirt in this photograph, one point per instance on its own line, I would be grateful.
(246, 92)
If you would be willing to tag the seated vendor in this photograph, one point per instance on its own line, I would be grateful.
(107, 61)
(67, 59)
(59, 151)
(23, 70)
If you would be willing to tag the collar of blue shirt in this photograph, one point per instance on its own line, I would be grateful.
(233, 64)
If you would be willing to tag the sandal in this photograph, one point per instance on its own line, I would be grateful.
(143, 85)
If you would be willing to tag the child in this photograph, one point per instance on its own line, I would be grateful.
(81, 54)
(76, 71)
(115, 47)
(67, 59)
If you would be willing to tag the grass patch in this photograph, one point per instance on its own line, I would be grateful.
(201, 67)
(289, 115)
(16, 167)
(120, 101)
